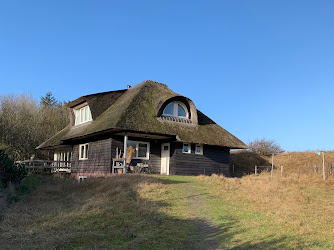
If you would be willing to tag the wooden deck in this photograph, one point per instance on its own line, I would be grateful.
(46, 165)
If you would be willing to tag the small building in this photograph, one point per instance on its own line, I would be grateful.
(165, 130)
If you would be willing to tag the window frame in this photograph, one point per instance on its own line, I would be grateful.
(64, 157)
(85, 152)
(175, 110)
(137, 150)
(81, 178)
(81, 112)
(189, 148)
(201, 146)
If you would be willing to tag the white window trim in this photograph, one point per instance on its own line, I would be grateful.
(77, 113)
(81, 178)
(175, 110)
(189, 148)
(85, 156)
(137, 147)
(201, 152)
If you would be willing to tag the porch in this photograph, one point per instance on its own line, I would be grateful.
(136, 152)
(132, 166)
(46, 165)
(65, 166)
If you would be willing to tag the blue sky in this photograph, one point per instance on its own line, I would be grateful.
(260, 69)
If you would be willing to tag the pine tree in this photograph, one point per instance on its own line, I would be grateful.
(48, 100)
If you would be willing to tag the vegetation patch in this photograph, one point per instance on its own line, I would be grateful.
(274, 212)
(293, 163)
(171, 212)
(97, 213)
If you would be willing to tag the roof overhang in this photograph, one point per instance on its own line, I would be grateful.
(146, 135)
(76, 102)
(121, 132)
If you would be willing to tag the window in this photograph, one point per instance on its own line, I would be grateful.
(142, 149)
(82, 178)
(83, 151)
(176, 109)
(82, 115)
(186, 148)
(199, 149)
(64, 158)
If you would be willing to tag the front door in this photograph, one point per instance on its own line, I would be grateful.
(165, 155)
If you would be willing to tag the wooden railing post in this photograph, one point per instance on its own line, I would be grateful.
(281, 171)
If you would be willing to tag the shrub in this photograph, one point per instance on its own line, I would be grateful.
(9, 172)
(264, 147)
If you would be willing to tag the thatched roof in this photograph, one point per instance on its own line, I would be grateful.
(138, 109)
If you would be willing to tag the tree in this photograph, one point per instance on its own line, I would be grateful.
(18, 119)
(265, 147)
(48, 100)
(25, 123)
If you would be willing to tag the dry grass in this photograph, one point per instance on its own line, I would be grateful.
(301, 204)
(305, 162)
(300, 163)
(97, 213)
(173, 212)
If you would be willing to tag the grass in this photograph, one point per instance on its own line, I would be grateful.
(274, 213)
(172, 212)
(98, 213)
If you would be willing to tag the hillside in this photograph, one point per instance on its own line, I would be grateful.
(97, 213)
(308, 163)
(171, 212)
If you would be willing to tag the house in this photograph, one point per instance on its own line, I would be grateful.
(165, 129)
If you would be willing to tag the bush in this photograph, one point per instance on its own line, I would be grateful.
(265, 147)
(9, 172)
(244, 162)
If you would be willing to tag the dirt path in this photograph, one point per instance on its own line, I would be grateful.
(198, 209)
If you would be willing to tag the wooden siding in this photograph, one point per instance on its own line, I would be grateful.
(215, 160)
(172, 160)
(155, 157)
(99, 158)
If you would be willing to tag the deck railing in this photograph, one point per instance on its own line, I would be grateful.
(46, 165)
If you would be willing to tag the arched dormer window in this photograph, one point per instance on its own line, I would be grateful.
(176, 109)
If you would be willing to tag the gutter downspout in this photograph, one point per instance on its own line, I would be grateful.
(125, 150)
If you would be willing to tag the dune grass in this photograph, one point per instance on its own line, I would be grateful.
(292, 212)
(172, 212)
(300, 163)
(97, 213)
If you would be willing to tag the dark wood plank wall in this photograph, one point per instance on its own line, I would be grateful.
(214, 160)
(172, 160)
(155, 156)
(99, 158)
(116, 143)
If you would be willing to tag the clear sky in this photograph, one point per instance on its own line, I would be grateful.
(260, 69)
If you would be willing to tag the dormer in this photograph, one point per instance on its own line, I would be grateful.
(89, 107)
(82, 114)
(178, 109)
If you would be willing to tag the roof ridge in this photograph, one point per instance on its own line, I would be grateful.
(155, 82)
